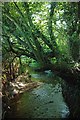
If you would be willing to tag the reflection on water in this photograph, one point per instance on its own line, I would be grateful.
(46, 101)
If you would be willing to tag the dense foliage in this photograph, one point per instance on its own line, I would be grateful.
(44, 32)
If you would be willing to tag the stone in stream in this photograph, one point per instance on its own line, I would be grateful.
(36, 108)
(56, 91)
(42, 113)
(50, 101)
(37, 95)
(59, 91)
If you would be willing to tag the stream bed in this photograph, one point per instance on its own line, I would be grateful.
(45, 101)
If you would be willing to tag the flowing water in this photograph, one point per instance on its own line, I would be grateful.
(45, 101)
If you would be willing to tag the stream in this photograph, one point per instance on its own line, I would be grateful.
(45, 101)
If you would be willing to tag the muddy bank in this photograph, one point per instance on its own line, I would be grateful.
(12, 91)
(71, 94)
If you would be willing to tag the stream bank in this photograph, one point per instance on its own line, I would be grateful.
(71, 94)
(11, 91)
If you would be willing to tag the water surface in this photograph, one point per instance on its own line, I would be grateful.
(45, 101)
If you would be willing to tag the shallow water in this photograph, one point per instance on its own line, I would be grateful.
(45, 101)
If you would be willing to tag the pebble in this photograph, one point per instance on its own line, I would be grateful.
(50, 101)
